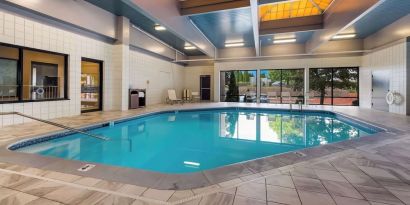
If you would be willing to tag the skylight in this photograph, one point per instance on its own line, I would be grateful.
(292, 9)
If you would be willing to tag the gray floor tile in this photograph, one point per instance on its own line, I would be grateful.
(330, 175)
(308, 184)
(239, 200)
(280, 180)
(282, 195)
(378, 195)
(252, 190)
(342, 189)
(313, 198)
(217, 199)
(349, 201)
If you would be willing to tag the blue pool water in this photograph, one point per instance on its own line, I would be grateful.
(191, 141)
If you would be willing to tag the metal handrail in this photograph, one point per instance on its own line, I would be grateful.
(56, 124)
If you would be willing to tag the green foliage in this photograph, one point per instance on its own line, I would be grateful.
(289, 78)
(321, 79)
(290, 129)
(232, 95)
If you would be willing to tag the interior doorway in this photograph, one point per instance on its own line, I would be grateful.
(380, 88)
(205, 87)
(91, 85)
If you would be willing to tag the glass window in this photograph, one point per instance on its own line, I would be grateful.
(27, 75)
(320, 85)
(43, 76)
(282, 86)
(334, 86)
(270, 86)
(238, 86)
(346, 86)
(8, 73)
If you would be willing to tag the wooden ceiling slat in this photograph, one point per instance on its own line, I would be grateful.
(191, 7)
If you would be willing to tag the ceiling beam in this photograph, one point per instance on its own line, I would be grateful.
(194, 7)
(339, 16)
(255, 24)
(307, 23)
(168, 15)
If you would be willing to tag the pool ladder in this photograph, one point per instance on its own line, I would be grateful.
(56, 124)
(300, 107)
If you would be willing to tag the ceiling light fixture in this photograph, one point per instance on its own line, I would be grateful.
(158, 27)
(237, 44)
(190, 48)
(289, 40)
(344, 36)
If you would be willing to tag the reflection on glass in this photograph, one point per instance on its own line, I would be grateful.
(8, 80)
(90, 86)
(334, 86)
(346, 86)
(8, 73)
(238, 86)
(282, 86)
(44, 75)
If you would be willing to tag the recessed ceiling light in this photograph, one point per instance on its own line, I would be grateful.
(238, 44)
(289, 40)
(158, 27)
(190, 48)
(344, 36)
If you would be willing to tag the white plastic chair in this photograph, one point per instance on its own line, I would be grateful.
(272, 97)
(285, 97)
(195, 96)
(172, 97)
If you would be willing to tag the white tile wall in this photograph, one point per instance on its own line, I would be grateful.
(155, 75)
(25, 32)
(394, 59)
(192, 77)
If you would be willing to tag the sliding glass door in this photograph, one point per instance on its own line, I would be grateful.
(334, 86)
(238, 86)
(91, 85)
(282, 86)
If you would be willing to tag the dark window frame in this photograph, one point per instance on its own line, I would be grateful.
(332, 85)
(281, 81)
(20, 74)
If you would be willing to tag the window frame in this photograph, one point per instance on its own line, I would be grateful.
(20, 73)
(332, 84)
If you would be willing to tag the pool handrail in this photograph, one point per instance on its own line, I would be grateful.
(56, 124)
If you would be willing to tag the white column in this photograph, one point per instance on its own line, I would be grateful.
(258, 85)
(121, 64)
(306, 89)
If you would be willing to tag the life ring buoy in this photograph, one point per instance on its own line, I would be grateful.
(393, 98)
(40, 91)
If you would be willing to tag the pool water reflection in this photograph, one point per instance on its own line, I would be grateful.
(191, 141)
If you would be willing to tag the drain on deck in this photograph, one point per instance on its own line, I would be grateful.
(86, 167)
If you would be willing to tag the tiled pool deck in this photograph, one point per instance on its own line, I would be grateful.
(371, 170)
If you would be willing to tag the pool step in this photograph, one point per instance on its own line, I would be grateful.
(56, 124)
